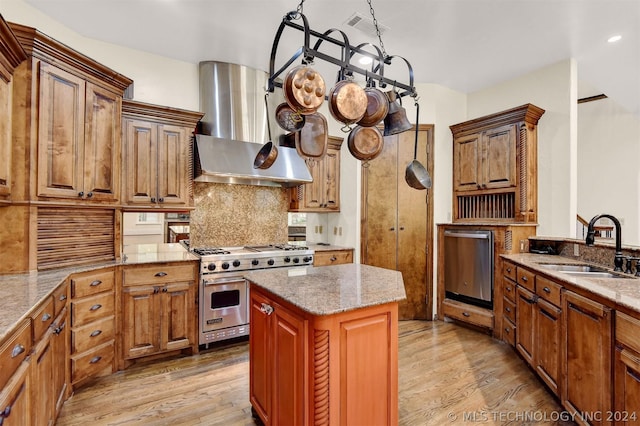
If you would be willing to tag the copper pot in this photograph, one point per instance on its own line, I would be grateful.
(365, 143)
(347, 103)
(396, 120)
(377, 107)
(304, 89)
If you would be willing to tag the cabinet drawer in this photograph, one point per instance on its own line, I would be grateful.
(628, 331)
(509, 310)
(509, 289)
(91, 283)
(14, 350)
(91, 335)
(509, 270)
(60, 297)
(42, 318)
(91, 308)
(158, 274)
(509, 332)
(526, 279)
(91, 363)
(468, 313)
(332, 258)
(548, 290)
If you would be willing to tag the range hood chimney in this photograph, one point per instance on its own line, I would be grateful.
(235, 127)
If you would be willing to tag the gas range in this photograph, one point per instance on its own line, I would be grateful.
(215, 260)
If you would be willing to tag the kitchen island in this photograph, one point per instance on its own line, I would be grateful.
(324, 345)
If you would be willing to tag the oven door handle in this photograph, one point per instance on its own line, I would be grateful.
(222, 280)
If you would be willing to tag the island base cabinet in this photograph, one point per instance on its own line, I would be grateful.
(627, 370)
(588, 337)
(339, 369)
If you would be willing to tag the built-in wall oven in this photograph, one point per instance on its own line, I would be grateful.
(223, 291)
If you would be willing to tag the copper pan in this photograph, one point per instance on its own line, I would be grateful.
(377, 107)
(347, 103)
(289, 119)
(365, 143)
(304, 89)
(312, 139)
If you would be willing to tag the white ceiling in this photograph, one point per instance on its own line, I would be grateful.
(465, 45)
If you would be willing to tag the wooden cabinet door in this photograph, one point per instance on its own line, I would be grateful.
(467, 152)
(525, 325)
(627, 387)
(60, 346)
(178, 310)
(140, 162)
(42, 397)
(141, 320)
(499, 157)
(288, 334)
(261, 365)
(15, 398)
(332, 179)
(313, 192)
(587, 333)
(5, 138)
(547, 343)
(172, 157)
(60, 133)
(102, 144)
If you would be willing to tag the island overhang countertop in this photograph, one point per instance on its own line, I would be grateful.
(328, 290)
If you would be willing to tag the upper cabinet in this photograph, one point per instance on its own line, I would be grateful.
(157, 156)
(11, 55)
(323, 194)
(68, 121)
(495, 167)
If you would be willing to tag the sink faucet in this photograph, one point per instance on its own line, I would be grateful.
(617, 262)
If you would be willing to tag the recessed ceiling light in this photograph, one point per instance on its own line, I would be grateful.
(614, 38)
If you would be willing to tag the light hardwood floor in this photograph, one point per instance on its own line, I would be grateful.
(448, 374)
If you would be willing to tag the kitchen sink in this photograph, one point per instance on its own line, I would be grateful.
(581, 270)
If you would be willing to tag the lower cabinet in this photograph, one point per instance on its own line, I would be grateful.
(15, 399)
(158, 309)
(332, 257)
(303, 367)
(627, 370)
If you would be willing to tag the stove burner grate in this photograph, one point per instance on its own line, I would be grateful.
(210, 250)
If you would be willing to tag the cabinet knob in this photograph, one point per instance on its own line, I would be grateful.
(46, 317)
(95, 283)
(508, 309)
(62, 297)
(95, 307)
(81, 194)
(266, 308)
(161, 200)
(466, 314)
(525, 279)
(392, 229)
(89, 194)
(546, 290)
(17, 350)
(333, 258)
(153, 199)
(402, 228)
(95, 333)
(164, 290)
(95, 359)
(161, 274)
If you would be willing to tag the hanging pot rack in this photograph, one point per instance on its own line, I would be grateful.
(346, 68)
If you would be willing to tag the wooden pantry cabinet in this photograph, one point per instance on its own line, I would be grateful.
(323, 194)
(159, 312)
(157, 155)
(495, 167)
(66, 125)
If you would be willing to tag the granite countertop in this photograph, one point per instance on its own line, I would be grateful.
(328, 290)
(20, 294)
(319, 246)
(622, 291)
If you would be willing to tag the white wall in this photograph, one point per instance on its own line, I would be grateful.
(608, 158)
(157, 79)
(553, 88)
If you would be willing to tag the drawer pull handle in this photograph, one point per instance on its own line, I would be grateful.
(333, 258)
(58, 330)
(466, 314)
(547, 290)
(508, 309)
(161, 274)
(266, 309)
(524, 279)
(95, 283)
(95, 333)
(508, 288)
(95, 307)
(62, 297)
(509, 270)
(507, 330)
(17, 350)
(46, 317)
(95, 359)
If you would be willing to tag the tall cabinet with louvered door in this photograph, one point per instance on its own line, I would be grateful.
(157, 160)
(397, 220)
(495, 167)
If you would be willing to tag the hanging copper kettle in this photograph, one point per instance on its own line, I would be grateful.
(396, 119)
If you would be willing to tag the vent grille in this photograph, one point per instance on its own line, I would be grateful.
(487, 206)
(365, 24)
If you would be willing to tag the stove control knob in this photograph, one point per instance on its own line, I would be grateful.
(236, 263)
(307, 259)
(211, 266)
(296, 260)
(287, 259)
(225, 265)
(255, 262)
(271, 262)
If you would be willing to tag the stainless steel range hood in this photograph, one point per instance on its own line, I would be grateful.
(235, 126)
(229, 161)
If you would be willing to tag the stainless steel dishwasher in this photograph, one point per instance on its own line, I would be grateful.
(468, 266)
